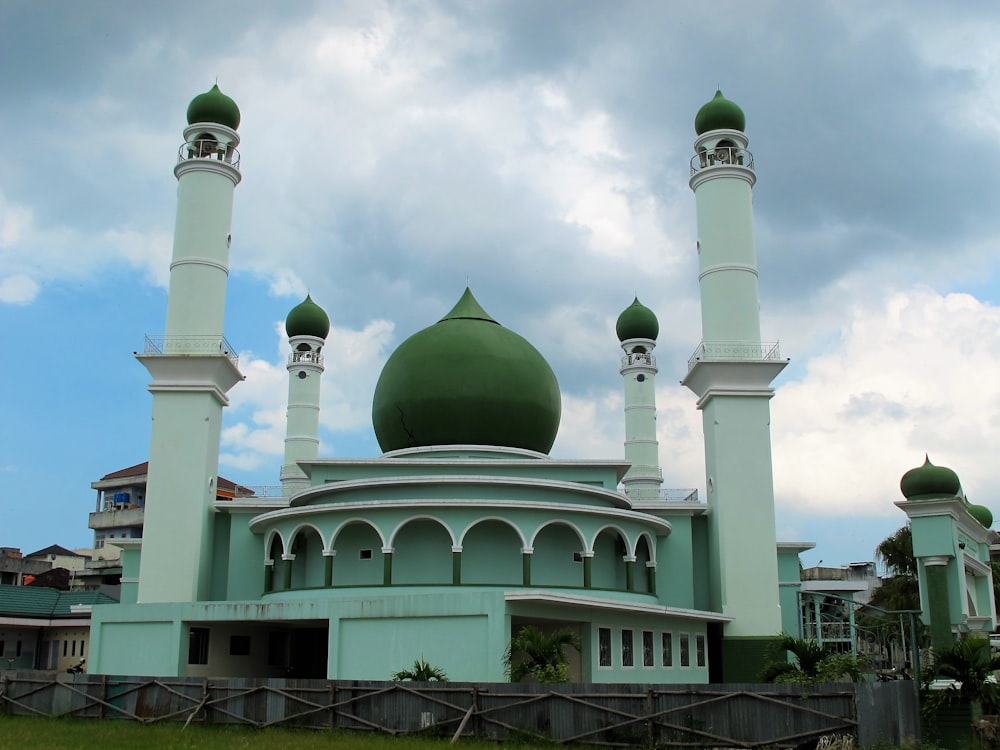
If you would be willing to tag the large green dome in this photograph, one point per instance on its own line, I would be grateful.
(719, 114)
(637, 322)
(307, 319)
(929, 481)
(214, 106)
(466, 380)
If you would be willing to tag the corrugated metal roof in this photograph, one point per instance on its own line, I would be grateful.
(36, 601)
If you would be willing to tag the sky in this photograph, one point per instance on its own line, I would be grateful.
(394, 151)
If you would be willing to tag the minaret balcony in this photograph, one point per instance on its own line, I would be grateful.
(721, 156)
(190, 346)
(305, 358)
(735, 351)
(638, 359)
(209, 148)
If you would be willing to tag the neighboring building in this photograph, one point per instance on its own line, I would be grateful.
(14, 567)
(464, 529)
(121, 502)
(42, 628)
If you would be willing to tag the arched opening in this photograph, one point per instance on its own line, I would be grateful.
(308, 566)
(491, 554)
(421, 553)
(608, 568)
(274, 553)
(358, 560)
(643, 555)
(558, 556)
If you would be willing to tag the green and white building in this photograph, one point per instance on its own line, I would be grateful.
(464, 529)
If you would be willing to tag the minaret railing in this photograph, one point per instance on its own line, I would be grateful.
(204, 346)
(662, 495)
(721, 156)
(312, 358)
(735, 351)
(209, 148)
(640, 360)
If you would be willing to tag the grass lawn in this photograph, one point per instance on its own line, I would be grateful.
(31, 733)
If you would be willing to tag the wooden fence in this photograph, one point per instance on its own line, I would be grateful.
(677, 716)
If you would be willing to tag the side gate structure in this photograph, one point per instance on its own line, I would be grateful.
(679, 716)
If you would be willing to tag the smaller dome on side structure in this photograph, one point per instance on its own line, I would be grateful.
(719, 114)
(637, 322)
(982, 514)
(929, 481)
(307, 319)
(214, 106)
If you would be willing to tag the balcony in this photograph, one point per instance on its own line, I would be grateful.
(192, 346)
(209, 148)
(116, 519)
(639, 359)
(663, 495)
(721, 156)
(307, 357)
(735, 351)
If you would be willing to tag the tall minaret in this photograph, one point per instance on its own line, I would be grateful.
(192, 364)
(731, 373)
(637, 329)
(307, 326)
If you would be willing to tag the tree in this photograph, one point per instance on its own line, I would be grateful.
(969, 664)
(421, 672)
(899, 590)
(812, 663)
(535, 655)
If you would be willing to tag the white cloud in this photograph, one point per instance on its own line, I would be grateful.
(914, 372)
(18, 289)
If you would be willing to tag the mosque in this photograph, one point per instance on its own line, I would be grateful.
(464, 530)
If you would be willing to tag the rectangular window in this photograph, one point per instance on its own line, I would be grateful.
(628, 658)
(18, 649)
(81, 647)
(198, 646)
(365, 554)
(604, 647)
(699, 650)
(685, 650)
(667, 649)
(647, 649)
(72, 649)
(1, 648)
(239, 645)
(65, 648)
(577, 557)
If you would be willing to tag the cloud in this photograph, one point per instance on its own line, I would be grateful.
(913, 372)
(18, 289)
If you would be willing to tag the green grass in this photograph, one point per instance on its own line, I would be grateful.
(31, 733)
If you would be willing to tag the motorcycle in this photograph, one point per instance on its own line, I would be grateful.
(77, 668)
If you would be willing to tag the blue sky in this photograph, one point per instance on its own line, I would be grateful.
(393, 150)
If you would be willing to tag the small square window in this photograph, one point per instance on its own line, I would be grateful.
(628, 655)
(577, 557)
(365, 554)
(239, 645)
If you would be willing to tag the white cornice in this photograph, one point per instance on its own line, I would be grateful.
(593, 602)
(562, 510)
(352, 485)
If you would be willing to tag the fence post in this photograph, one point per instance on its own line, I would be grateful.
(649, 718)
(331, 699)
(104, 696)
(4, 687)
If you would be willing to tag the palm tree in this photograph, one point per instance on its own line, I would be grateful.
(813, 662)
(969, 662)
(422, 672)
(899, 591)
(535, 655)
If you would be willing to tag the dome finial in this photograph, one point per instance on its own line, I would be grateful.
(307, 319)
(719, 114)
(637, 322)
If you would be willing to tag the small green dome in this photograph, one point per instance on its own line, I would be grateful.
(637, 322)
(982, 514)
(214, 106)
(466, 380)
(929, 481)
(719, 114)
(307, 319)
